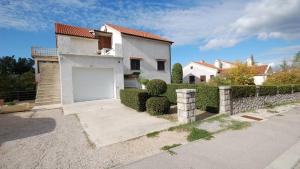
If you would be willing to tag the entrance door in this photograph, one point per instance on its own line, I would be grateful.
(192, 79)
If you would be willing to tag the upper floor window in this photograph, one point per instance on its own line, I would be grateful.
(135, 64)
(160, 65)
(104, 42)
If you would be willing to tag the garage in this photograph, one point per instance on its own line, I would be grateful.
(92, 83)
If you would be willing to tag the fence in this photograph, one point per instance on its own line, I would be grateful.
(236, 99)
(18, 95)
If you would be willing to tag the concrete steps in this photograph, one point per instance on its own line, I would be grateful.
(48, 90)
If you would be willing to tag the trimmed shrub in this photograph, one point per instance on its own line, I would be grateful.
(134, 98)
(158, 105)
(296, 88)
(177, 73)
(285, 89)
(207, 98)
(243, 91)
(156, 87)
(267, 90)
(171, 91)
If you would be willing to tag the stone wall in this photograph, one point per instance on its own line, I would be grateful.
(237, 105)
(252, 103)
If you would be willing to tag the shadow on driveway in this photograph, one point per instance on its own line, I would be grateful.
(13, 127)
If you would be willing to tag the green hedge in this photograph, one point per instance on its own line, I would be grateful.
(243, 91)
(158, 105)
(267, 90)
(285, 89)
(171, 91)
(296, 88)
(207, 97)
(134, 98)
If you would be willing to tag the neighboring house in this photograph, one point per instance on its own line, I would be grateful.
(89, 64)
(199, 72)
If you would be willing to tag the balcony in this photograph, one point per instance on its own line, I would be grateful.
(43, 52)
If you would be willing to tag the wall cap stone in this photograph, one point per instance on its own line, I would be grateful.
(224, 87)
(185, 90)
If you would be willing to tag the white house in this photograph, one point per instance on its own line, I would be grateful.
(199, 72)
(90, 64)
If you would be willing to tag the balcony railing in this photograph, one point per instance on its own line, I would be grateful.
(46, 52)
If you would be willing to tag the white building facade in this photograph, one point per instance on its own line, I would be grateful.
(96, 64)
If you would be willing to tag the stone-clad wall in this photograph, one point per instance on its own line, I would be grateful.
(251, 103)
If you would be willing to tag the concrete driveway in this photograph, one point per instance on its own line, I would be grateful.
(108, 121)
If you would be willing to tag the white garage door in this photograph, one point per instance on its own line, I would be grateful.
(92, 84)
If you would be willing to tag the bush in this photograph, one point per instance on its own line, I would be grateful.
(267, 90)
(177, 73)
(207, 98)
(158, 105)
(134, 98)
(285, 89)
(144, 81)
(296, 88)
(156, 87)
(243, 91)
(171, 91)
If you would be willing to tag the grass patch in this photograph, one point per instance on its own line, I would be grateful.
(153, 134)
(220, 118)
(238, 125)
(169, 147)
(197, 134)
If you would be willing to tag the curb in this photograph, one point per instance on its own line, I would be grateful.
(287, 160)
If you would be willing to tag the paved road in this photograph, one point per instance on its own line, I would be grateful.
(252, 148)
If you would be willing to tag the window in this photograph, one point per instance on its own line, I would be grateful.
(104, 42)
(212, 76)
(135, 64)
(203, 78)
(192, 79)
(160, 65)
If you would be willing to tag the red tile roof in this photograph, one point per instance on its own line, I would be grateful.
(137, 33)
(261, 69)
(72, 30)
(207, 65)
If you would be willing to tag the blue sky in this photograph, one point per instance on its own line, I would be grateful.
(229, 30)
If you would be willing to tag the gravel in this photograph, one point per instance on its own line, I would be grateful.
(48, 139)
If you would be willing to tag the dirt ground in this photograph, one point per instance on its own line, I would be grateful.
(48, 139)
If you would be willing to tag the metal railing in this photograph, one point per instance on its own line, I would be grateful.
(48, 52)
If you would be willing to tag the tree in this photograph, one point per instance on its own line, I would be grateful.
(177, 73)
(241, 74)
(219, 80)
(284, 66)
(296, 61)
(16, 74)
(291, 76)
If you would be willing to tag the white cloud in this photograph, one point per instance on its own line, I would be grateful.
(226, 23)
(219, 43)
(278, 54)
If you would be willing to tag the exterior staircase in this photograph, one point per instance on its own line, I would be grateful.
(48, 89)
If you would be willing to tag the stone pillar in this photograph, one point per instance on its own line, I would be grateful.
(225, 99)
(186, 105)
